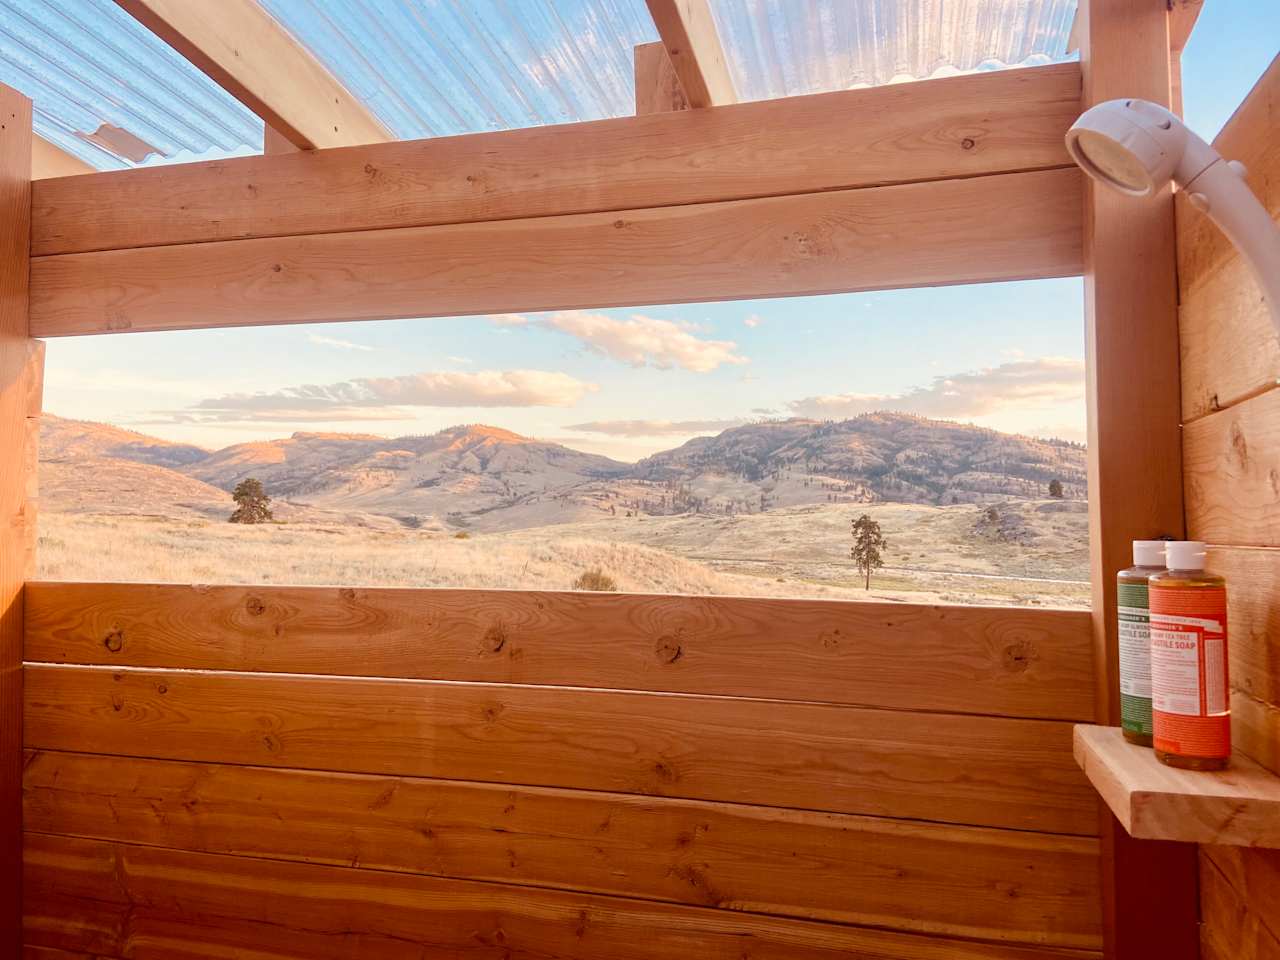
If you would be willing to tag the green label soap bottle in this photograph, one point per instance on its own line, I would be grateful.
(1135, 640)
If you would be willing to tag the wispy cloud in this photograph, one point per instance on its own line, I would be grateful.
(458, 359)
(338, 344)
(385, 398)
(754, 320)
(653, 428)
(1042, 382)
(637, 341)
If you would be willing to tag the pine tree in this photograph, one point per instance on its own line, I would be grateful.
(868, 544)
(252, 502)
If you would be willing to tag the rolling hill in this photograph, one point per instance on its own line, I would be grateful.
(486, 478)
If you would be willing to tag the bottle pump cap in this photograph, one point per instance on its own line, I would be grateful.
(1185, 555)
(1149, 553)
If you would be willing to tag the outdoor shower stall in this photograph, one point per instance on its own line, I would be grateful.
(240, 771)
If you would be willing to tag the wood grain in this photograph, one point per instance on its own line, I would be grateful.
(1255, 728)
(996, 122)
(248, 53)
(16, 355)
(1228, 343)
(1135, 483)
(983, 771)
(992, 660)
(151, 903)
(1239, 890)
(1238, 806)
(1253, 617)
(658, 88)
(688, 31)
(1231, 470)
(959, 881)
(910, 235)
(1229, 347)
(1249, 137)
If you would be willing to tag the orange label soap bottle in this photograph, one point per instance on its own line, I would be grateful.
(1191, 708)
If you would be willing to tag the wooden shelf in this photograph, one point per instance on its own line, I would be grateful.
(1239, 806)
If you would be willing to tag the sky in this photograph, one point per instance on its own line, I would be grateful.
(629, 382)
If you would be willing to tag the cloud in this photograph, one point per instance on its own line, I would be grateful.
(458, 359)
(1046, 381)
(753, 321)
(638, 341)
(653, 428)
(340, 344)
(384, 398)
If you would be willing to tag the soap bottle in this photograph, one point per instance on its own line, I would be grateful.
(1191, 706)
(1135, 640)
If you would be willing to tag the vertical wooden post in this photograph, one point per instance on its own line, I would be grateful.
(658, 88)
(17, 356)
(1150, 895)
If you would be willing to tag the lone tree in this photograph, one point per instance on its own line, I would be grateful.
(868, 544)
(252, 502)
(1055, 489)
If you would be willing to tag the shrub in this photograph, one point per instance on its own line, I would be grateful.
(462, 535)
(596, 580)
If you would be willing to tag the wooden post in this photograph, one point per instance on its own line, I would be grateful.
(658, 88)
(18, 357)
(1150, 895)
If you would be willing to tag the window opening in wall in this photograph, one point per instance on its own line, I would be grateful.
(723, 448)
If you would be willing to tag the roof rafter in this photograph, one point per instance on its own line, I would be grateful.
(239, 46)
(688, 31)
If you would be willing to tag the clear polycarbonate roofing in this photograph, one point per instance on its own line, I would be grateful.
(109, 92)
(96, 76)
(783, 48)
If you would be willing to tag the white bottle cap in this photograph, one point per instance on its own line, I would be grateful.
(1149, 553)
(1184, 555)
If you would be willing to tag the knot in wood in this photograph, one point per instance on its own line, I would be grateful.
(114, 640)
(255, 606)
(669, 649)
(1019, 656)
(968, 143)
(1239, 445)
(495, 638)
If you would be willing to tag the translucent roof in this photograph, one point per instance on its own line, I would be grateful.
(109, 92)
(782, 48)
(462, 66)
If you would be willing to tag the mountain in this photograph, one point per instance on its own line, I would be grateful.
(487, 478)
(461, 472)
(878, 456)
(66, 440)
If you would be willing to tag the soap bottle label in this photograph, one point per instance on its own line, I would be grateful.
(1189, 672)
(1135, 658)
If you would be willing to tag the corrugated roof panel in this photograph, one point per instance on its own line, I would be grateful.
(444, 67)
(108, 91)
(781, 48)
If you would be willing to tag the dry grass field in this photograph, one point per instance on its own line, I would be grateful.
(800, 553)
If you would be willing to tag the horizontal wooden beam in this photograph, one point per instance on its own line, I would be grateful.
(990, 660)
(688, 31)
(985, 771)
(1009, 227)
(967, 126)
(251, 56)
(126, 900)
(958, 881)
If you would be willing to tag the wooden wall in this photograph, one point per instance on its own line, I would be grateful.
(1231, 452)
(326, 773)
